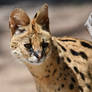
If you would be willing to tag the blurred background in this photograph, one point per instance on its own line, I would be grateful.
(67, 18)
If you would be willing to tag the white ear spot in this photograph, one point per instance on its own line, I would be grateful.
(88, 24)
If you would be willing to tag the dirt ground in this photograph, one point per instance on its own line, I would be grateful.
(65, 20)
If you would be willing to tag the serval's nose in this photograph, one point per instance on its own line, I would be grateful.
(37, 54)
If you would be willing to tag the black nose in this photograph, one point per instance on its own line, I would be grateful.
(28, 45)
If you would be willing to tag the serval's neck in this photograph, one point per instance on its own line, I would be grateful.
(50, 63)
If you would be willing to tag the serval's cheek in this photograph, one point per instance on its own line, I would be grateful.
(17, 53)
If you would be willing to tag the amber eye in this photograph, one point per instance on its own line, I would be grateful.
(44, 44)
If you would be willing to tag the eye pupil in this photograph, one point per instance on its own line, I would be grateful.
(28, 46)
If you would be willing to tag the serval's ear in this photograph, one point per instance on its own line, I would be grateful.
(41, 17)
(18, 18)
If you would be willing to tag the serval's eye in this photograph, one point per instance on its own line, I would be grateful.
(19, 30)
(22, 30)
(44, 44)
(28, 46)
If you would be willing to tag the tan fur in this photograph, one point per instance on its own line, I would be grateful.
(55, 70)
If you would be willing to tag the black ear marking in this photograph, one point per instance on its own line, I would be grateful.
(35, 15)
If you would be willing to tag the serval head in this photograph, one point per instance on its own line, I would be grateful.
(31, 40)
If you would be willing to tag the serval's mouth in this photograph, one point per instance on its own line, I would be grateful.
(34, 60)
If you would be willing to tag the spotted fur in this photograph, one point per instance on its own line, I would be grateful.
(57, 64)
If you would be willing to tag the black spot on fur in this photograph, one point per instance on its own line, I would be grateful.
(68, 73)
(89, 74)
(83, 55)
(68, 59)
(58, 60)
(62, 85)
(71, 86)
(55, 48)
(54, 71)
(51, 64)
(88, 86)
(80, 88)
(60, 74)
(86, 44)
(57, 78)
(58, 89)
(64, 78)
(66, 67)
(73, 80)
(74, 52)
(68, 40)
(82, 76)
(62, 47)
(49, 71)
(76, 69)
